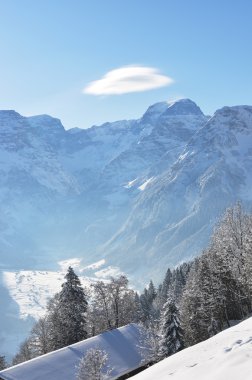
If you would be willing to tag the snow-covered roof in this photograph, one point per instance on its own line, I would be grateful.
(227, 355)
(121, 345)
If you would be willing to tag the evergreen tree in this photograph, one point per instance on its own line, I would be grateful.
(145, 305)
(138, 312)
(67, 313)
(149, 305)
(73, 308)
(151, 292)
(171, 333)
(166, 285)
(177, 285)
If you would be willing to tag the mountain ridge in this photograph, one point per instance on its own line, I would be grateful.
(118, 168)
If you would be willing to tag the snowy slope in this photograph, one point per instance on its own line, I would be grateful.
(227, 355)
(120, 344)
(31, 290)
(24, 296)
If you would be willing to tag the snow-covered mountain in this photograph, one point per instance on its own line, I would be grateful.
(173, 217)
(146, 190)
(227, 355)
(82, 182)
(141, 194)
(141, 190)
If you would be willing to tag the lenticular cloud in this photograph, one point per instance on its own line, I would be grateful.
(128, 79)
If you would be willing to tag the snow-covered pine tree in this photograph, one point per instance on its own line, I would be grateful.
(171, 333)
(137, 311)
(166, 285)
(148, 304)
(68, 312)
(151, 292)
(146, 307)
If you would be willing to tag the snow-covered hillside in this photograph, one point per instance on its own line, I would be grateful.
(31, 290)
(24, 295)
(227, 355)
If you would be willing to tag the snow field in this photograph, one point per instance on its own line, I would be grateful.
(226, 356)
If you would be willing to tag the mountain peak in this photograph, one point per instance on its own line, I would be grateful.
(176, 108)
(45, 122)
(154, 111)
(182, 107)
(241, 110)
(9, 115)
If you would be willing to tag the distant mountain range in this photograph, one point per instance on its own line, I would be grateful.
(141, 194)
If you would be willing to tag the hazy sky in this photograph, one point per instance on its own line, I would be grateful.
(91, 61)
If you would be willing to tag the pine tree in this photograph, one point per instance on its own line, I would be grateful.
(171, 333)
(166, 285)
(67, 313)
(148, 304)
(137, 311)
(151, 292)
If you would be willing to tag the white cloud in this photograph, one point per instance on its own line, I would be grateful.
(128, 79)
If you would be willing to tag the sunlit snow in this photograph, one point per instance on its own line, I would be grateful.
(226, 356)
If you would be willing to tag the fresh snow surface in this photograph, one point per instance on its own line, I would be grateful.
(120, 344)
(226, 356)
(31, 290)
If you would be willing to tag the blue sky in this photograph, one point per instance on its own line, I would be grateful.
(53, 49)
